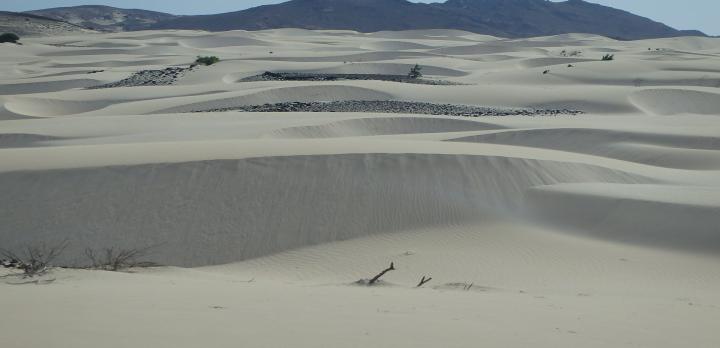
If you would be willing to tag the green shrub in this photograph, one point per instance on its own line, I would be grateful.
(208, 60)
(608, 57)
(9, 37)
(415, 72)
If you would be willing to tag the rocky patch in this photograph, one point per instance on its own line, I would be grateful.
(164, 77)
(295, 76)
(397, 107)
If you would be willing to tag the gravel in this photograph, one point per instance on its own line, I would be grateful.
(164, 77)
(295, 76)
(399, 107)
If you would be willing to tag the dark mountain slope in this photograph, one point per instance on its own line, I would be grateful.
(507, 18)
(25, 24)
(105, 18)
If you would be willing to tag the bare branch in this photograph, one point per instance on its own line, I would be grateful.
(377, 277)
(423, 281)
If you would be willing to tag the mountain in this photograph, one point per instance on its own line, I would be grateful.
(105, 18)
(359, 15)
(505, 18)
(523, 18)
(25, 24)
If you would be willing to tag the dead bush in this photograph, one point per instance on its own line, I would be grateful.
(35, 260)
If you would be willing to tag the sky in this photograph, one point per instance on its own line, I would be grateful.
(680, 14)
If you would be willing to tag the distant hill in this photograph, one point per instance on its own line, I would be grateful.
(25, 24)
(505, 18)
(105, 18)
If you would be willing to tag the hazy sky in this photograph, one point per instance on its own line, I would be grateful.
(681, 14)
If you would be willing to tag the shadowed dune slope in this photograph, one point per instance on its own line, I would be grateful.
(382, 126)
(665, 150)
(676, 101)
(209, 213)
(651, 215)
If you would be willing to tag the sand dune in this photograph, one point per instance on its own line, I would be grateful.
(596, 229)
(377, 183)
(676, 101)
(38, 107)
(547, 62)
(382, 126)
(8, 140)
(490, 48)
(101, 44)
(675, 151)
(85, 52)
(396, 46)
(215, 42)
(45, 86)
(387, 68)
(683, 43)
(663, 216)
(359, 57)
(275, 95)
(431, 34)
(114, 63)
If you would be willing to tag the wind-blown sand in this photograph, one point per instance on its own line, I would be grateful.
(594, 230)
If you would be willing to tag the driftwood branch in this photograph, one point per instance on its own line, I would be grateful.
(377, 277)
(423, 281)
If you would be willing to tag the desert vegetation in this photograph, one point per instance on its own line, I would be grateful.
(35, 260)
(9, 37)
(207, 60)
(115, 259)
(39, 259)
(574, 53)
(415, 72)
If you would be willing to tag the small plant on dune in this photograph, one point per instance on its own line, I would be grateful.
(111, 259)
(415, 72)
(9, 37)
(608, 57)
(35, 260)
(207, 60)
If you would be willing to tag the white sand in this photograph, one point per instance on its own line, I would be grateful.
(595, 230)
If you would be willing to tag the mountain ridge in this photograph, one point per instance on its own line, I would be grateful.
(26, 24)
(502, 18)
(105, 18)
